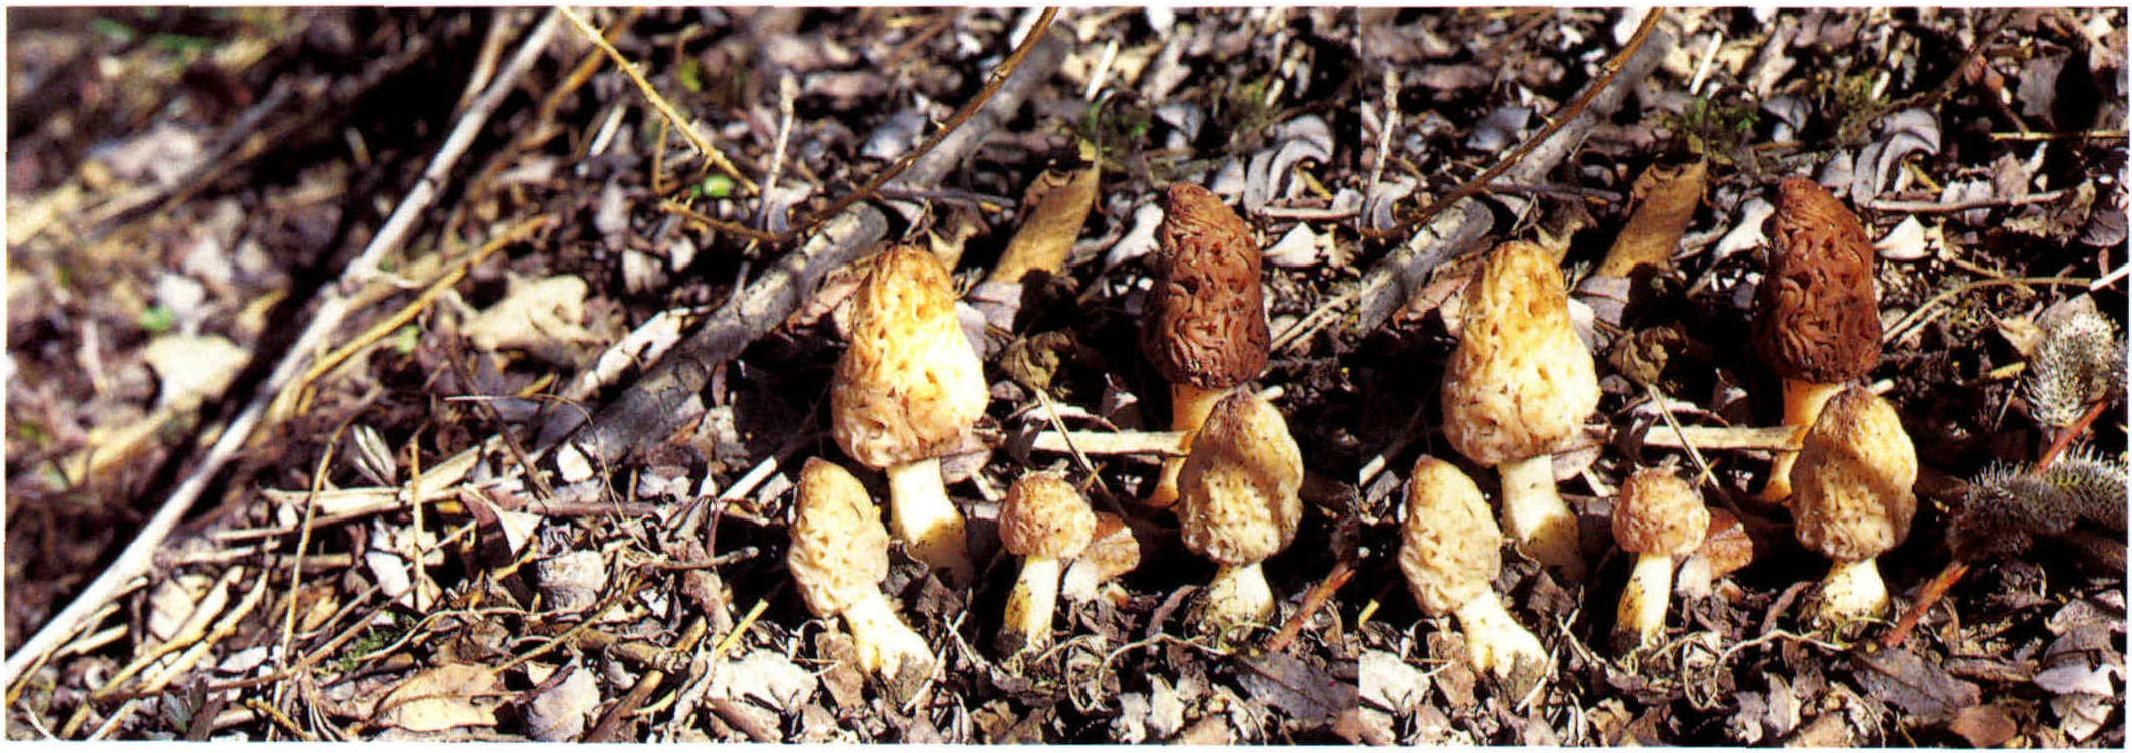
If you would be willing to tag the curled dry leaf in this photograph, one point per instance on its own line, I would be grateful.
(558, 714)
(1909, 241)
(1054, 209)
(1666, 199)
(442, 698)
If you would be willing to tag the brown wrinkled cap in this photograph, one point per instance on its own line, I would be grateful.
(1659, 513)
(1206, 323)
(1816, 316)
(839, 548)
(909, 384)
(1851, 488)
(1520, 382)
(1044, 516)
(1237, 501)
(1449, 548)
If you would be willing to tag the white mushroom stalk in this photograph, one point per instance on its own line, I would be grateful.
(929, 524)
(1238, 596)
(1535, 515)
(1495, 642)
(1031, 604)
(1852, 589)
(1642, 610)
(1657, 517)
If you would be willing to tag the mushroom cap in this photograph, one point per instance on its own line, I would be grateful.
(1044, 516)
(1237, 502)
(1448, 549)
(1206, 323)
(909, 385)
(1851, 489)
(1816, 316)
(1659, 513)
(839, 548)
(1521, 382)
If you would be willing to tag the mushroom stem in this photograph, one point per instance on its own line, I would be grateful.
(1803, 401)
(1238, 595)
(1852, 590)
(1030, 605)
(1495, 642)
(885, 644)
(922, 516)
(1643, 602)
(1189, 407)
(1536, 517)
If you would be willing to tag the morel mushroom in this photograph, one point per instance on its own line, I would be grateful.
(1237, 506)
(1206, 326)
(1852, 498)
(839, 557)
(1112, 552)
(1817, 318)
(1449, 553)
(1044, 521)
(906, 390)
(1519, 385)
(1657, 517)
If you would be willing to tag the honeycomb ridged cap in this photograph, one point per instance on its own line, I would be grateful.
(1237, 493)
(1520, 382)
(1449, 547)
(1044, 516)
(909, 384)
(1658, 512)
(839, 548)
(1851, 487)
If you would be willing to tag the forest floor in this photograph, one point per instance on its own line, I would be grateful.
(399, 552)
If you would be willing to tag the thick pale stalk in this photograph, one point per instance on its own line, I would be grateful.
(1495, 642)
(1643, 602)
(1802, 404)
(1189, 407)
(1030, 606)
(923, 518)
(1238, 596)
(1852, 590)
(885, 644)
(1536, 517)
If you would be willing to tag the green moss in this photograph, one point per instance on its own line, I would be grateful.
(1717, 127)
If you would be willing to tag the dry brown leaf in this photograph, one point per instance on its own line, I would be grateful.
(1666, 198)
(1985, 726)
(441, 698)
(1054, 209)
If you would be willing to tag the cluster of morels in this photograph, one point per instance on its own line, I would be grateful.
(1518, 388)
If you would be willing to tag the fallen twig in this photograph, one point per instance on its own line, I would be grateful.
(651, 94)
(1313, 600)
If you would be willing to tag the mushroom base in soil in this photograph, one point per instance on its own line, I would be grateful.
(922, 516)
(1536, 517)
(1642, 614)
(1803, 402)
(1030, 606)
(1189, 407)
(1238, 596)
(1495, 642)
(884, 644)
(1852, 590)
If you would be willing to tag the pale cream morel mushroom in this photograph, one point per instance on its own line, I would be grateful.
(839, 557)
(1045, 521)
(1450, 553)
(1206, 319)
(1657, 517)
(1852, 498)
(907, 390)
(1237, 506)
(1519, 386)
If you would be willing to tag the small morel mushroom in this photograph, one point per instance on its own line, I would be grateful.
(839, 557)
(1852, 498)
(1817, 318)
(1519, 385)
(1658, 517)
(906, 391)
(1449, 551)
(1237, 506)
(1043, 521)
(1206, 318)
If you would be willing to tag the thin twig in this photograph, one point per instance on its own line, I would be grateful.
(1313, 600)
(1555, 122)
(1917, 316)
(666, 110)
(1940, 207)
